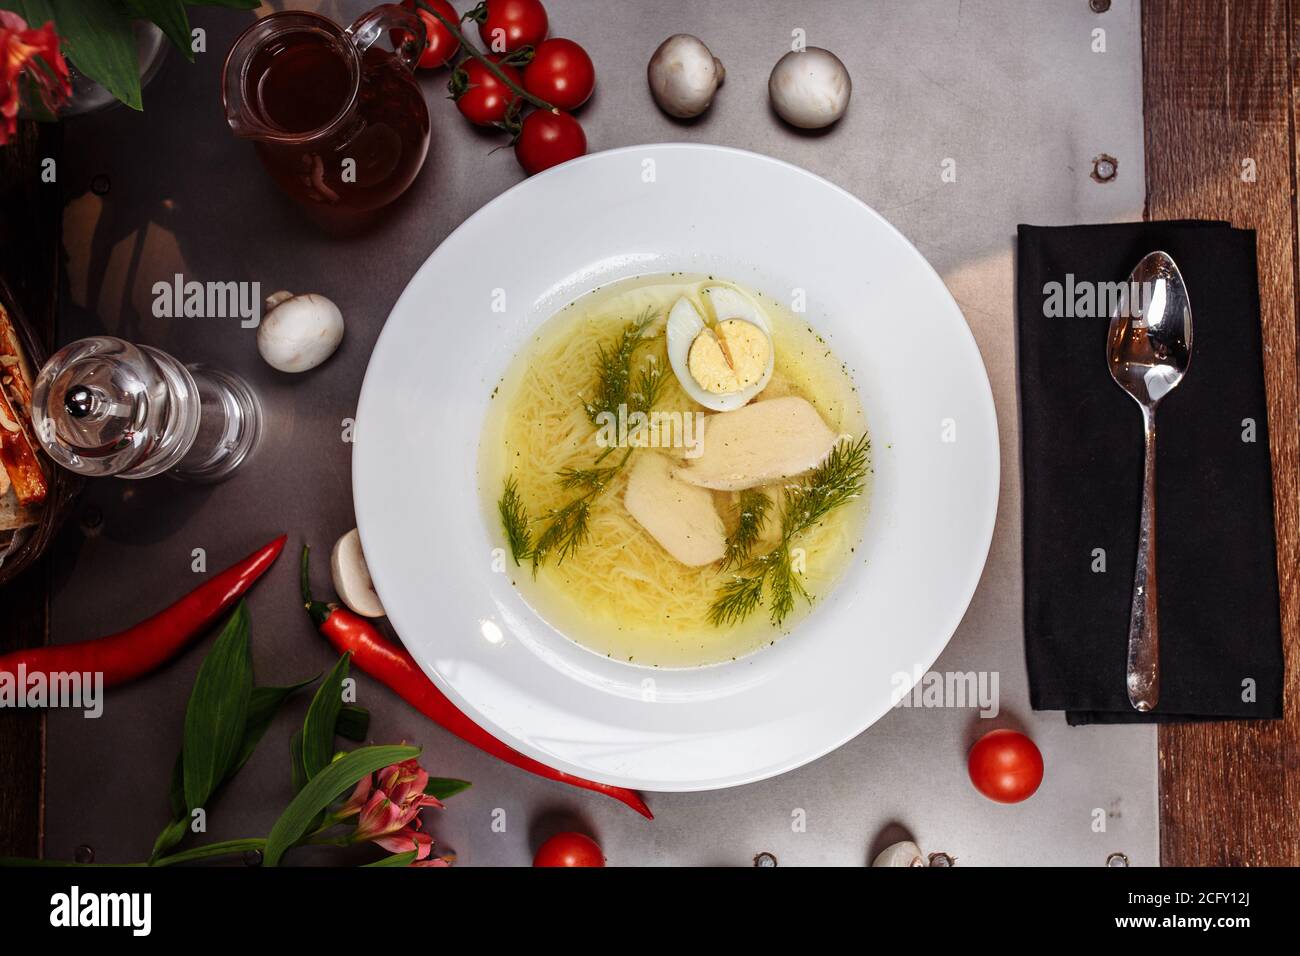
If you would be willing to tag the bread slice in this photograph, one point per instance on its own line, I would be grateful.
(14, 516)
(18, 456)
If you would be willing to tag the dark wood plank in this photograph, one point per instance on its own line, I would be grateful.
(30, 218)
(22, 732)
(1220, 91)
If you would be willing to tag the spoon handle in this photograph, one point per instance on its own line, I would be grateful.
(1143, 626)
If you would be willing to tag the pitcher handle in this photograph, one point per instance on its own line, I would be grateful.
(405, 28)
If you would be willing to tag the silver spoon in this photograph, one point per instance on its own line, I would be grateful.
(1148, 350)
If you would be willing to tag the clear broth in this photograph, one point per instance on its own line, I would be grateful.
(620, 595)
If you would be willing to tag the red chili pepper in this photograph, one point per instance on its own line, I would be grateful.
(394, 667)
(138, 650)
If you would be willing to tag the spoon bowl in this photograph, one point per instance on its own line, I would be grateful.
(1150, 343)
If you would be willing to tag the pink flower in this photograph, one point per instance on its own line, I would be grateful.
(34, 54)
(405, 782)
(360, 794)
(406, 840)
(387, 805)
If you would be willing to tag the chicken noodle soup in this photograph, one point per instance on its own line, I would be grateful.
(648, 513)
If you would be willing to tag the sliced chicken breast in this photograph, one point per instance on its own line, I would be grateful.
(762, 442)
(679, 516)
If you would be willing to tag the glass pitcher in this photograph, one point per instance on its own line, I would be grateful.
(336, 115)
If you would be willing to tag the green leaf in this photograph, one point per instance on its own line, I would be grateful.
(397, 859)
(218, 711)
(98, 38)
(323, 789)
(296, 771)
(175, 829)
(171, 834)
(263, 705)
(322, 718)
(224, 848)
(37, 13)
(443, 787)
(353, 723)
(176, 789)
(171, 18)
(299, 773)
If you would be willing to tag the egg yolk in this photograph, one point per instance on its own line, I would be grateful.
(730, 357)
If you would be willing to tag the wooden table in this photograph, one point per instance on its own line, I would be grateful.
(1222, 102)
(1221, 109)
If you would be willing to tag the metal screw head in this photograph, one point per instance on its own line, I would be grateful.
(100, 184)
(84, 854)
(764, 859)
(1117, 859)
(252, 858)
(1099, 6)
(1104, 168)
(942, 859)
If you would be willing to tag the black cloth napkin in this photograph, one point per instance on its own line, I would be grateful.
(1081, 456)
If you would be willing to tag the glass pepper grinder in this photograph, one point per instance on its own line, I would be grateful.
(102, 406)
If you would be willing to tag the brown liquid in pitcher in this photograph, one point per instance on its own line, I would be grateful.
(299, 83)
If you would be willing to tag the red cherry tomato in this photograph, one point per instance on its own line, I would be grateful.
(508, 25)
(561, 73)
(569, 849)
(1005, 766)
(548, 139)
(484, 99)
(439, 46)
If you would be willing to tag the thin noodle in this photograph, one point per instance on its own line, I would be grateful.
(621, 593)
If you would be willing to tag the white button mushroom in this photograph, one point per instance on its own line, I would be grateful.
(299, 332)
(352, 577)
(684, 75)
(810, 88)
(906, 853)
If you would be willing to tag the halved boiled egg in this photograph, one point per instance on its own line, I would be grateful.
(724, 364)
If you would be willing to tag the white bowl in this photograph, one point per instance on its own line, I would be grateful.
(654, 209)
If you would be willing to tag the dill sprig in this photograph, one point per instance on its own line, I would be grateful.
(738, 598)
(784, 583)
(837, 481)
(595, 477)
(514, 519)
(614, 370)
(754, 506)
(649, 386)
(568, 526)
(566, 531)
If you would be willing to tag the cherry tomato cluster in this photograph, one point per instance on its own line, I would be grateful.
(555, 71)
